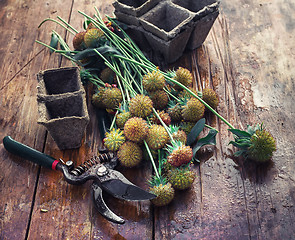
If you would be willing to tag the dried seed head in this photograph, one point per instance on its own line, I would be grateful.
(210, 97)
(78, 41)
(140, 106)
(129, 154)
(193, 110)
(153, 81)
(183, 76)
(157, 137)
(136, 129)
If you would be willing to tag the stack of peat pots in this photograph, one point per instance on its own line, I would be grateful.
(62, 106)
(167, 27)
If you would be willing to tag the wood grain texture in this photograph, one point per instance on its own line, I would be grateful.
(248, 58)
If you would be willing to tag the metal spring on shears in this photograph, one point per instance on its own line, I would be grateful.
(92, 161)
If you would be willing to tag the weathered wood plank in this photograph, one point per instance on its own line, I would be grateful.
(19, 111)
(250, 51)
(71, 213)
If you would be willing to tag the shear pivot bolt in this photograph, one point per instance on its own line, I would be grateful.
(101, 171)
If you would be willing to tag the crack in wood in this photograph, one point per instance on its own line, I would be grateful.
(20, 70)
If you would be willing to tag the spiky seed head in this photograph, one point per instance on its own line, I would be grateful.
(136, 129)
(180, 135)
(92, 37)
(114, 139)
(175, 112)
(164, 192)
(210, 97)
(183, 76)
(165, 117)
(97, 98)
(157, 137)
(179, 154)
(153, 81)
(140, 106)
(107, 75)
(262, 146)
(129, 154)
(112, 97)
(181, 178)
(122, 118)
(193, 110)
(78, 41)
(160, 99)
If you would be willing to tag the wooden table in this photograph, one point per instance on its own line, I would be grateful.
(248, 58)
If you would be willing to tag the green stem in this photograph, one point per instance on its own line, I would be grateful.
(208, 126)
(107, 63)
(164, 125)
(68, 25)
(49, 19)
(152, 159)
(62, 52)
(183, 87)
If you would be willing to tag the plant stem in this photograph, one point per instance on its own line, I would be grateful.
(183, 87)
(164, 125)
(49, 19)
(152, 159)
(207, 126)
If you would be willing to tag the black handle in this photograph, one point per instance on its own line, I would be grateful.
(29, 153)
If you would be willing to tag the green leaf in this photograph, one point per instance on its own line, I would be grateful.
(196, 130)
(240, 133)
(86, 23)
(210, 139)
(89, 52)
(53, 42)
(241, 145)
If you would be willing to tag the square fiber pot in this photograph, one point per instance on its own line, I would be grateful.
(166, 20)
(127, 19)
(134, 7)
(62, 106)
(205, 12)
(201, 30)
(170, 50)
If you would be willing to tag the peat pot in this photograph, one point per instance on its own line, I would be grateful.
(168, 27)
(62, 106)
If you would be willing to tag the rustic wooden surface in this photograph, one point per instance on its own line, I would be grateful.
(248, 58)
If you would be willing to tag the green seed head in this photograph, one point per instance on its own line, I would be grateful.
(93, 37)
(153, 81)
(181, 178)
(122, 118)
(114, 139)
(262, 146)
(165, 194)
(160, 99)
(97, 98)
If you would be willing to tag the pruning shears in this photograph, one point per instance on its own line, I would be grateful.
(99, 168)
